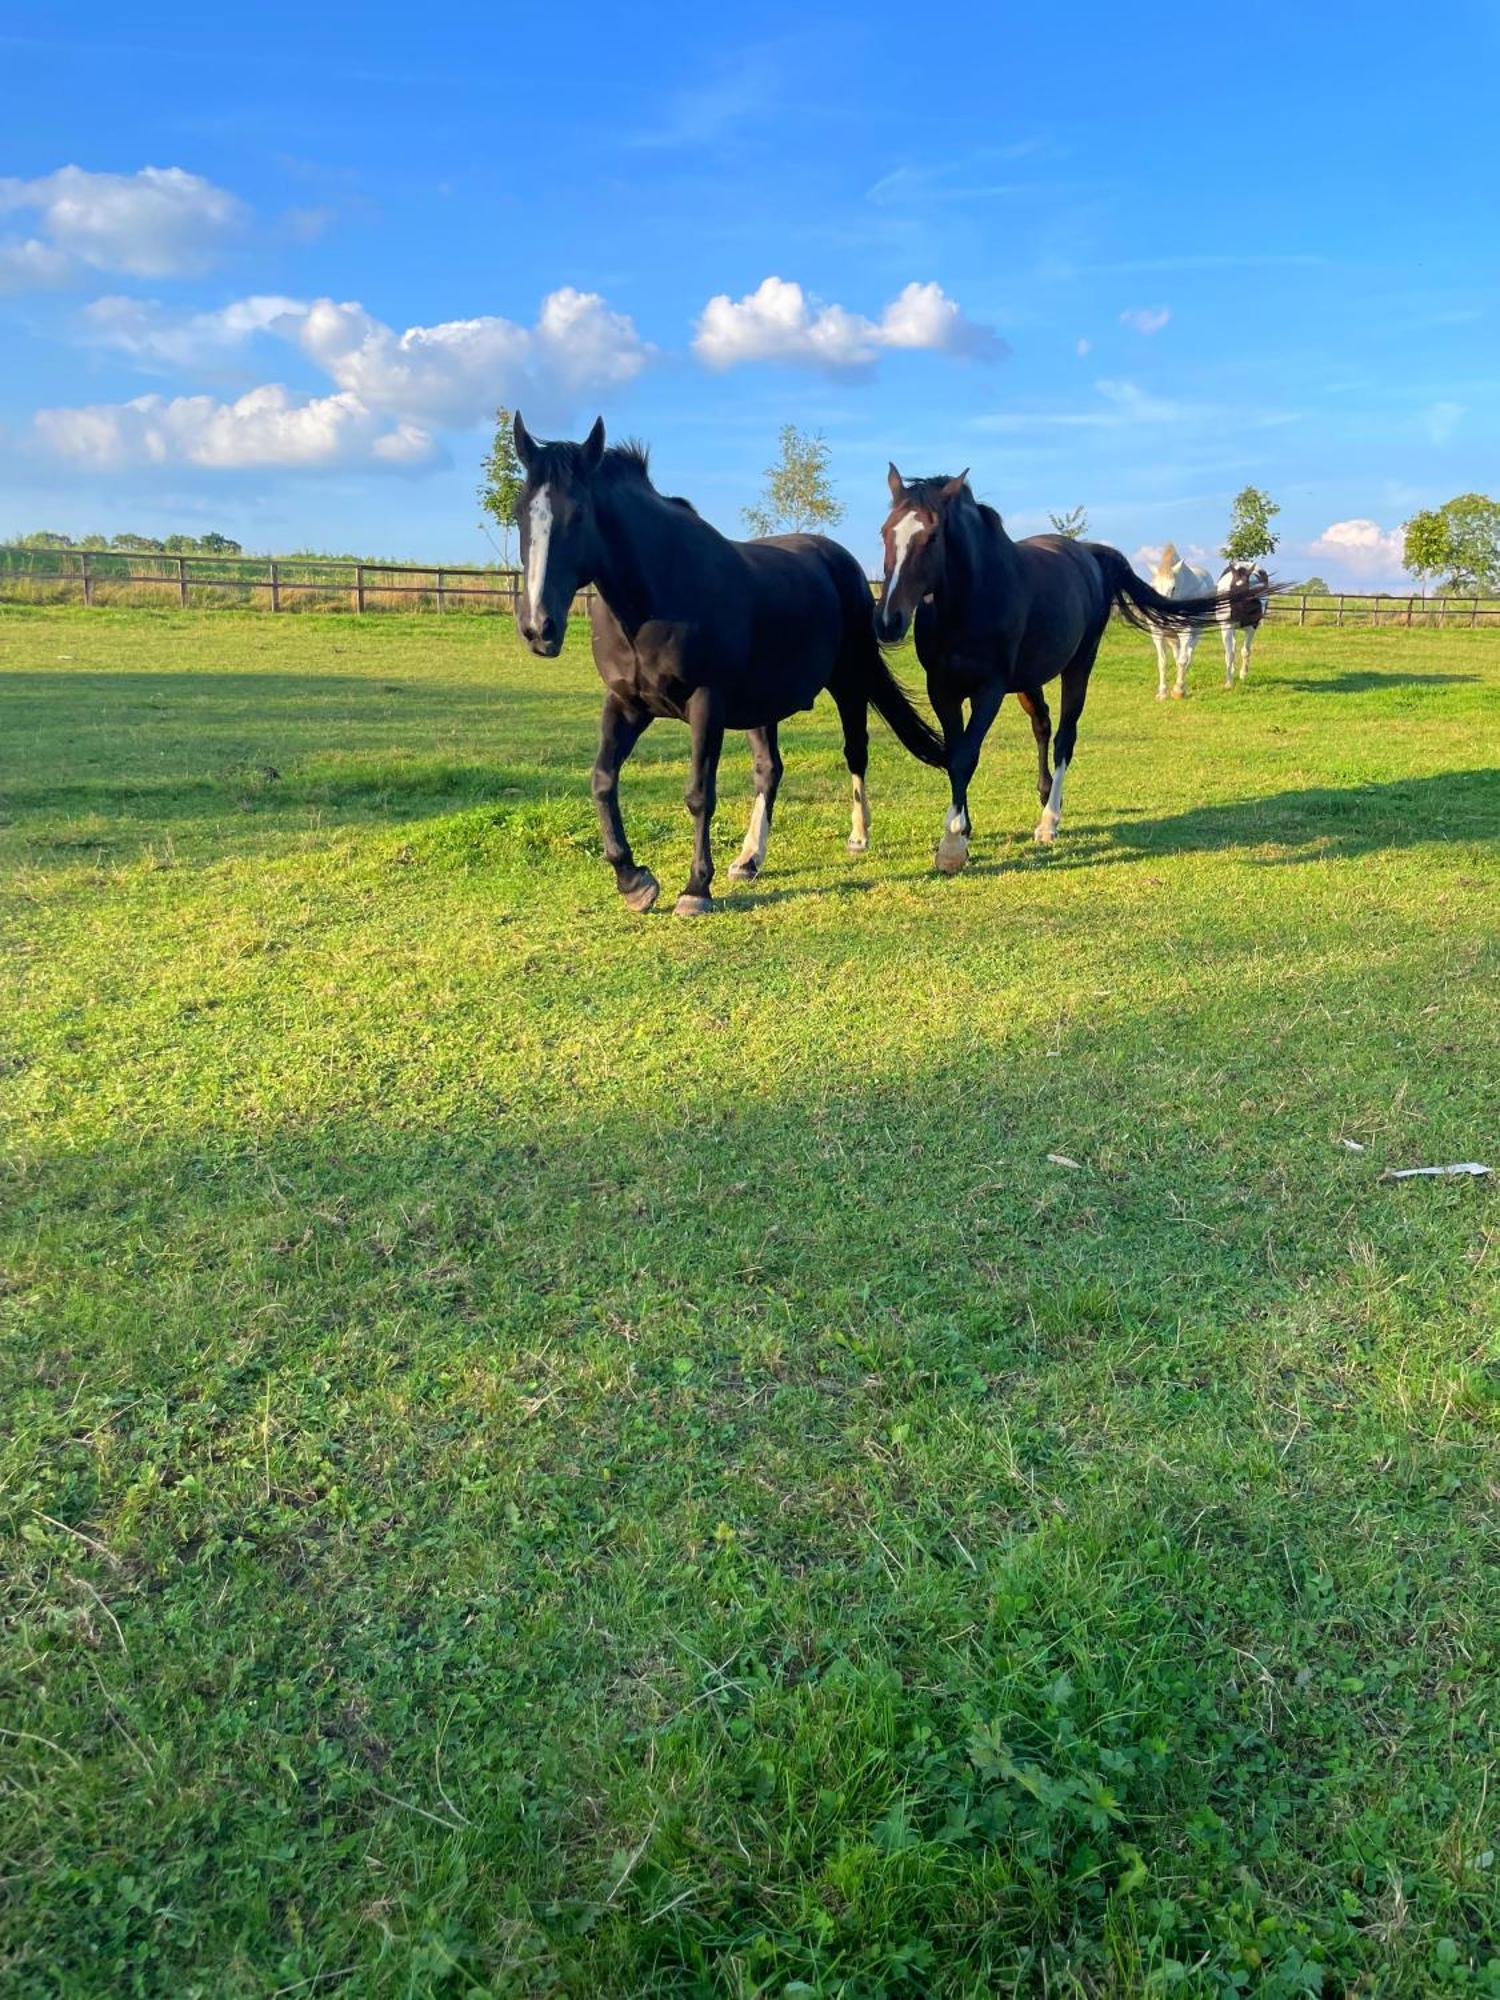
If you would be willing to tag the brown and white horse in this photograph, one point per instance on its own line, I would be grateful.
(1248, 609)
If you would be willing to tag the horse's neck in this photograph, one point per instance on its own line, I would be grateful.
(644, 540)
(979, 562)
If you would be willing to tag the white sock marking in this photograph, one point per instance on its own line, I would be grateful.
(536, 553)
(758, 833)
(1052, 811)
(859, 821)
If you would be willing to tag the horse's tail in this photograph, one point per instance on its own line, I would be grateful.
(1139, 604)
(893, 704)
(865, 664)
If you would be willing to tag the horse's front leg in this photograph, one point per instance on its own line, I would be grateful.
(1159, 640)
(620, 729)
(1186, 643)
(1228, 654)
(705, 715)
(963, 760)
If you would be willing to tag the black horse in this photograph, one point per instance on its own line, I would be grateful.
(996, 617)
(718, 634)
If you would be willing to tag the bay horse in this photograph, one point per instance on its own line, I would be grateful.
(995, 617)
(714, 633)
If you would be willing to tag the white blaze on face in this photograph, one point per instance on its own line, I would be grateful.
(536, 550)
(905, 532)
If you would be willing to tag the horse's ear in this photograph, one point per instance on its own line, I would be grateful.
(894, 480)
(956, 486)
(524, 444)
(593, 446)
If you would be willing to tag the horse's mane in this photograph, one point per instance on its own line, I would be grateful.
(928, 492)
(629, 463)
(625, 464)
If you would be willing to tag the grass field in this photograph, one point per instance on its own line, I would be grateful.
(549, 1452)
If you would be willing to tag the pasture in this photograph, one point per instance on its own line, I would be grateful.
(555, 1453)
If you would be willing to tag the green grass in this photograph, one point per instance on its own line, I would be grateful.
(554, 1453)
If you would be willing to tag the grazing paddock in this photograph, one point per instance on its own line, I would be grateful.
(884, 1442)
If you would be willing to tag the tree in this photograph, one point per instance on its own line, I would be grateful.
(1427, 548)
(215, 544)
(143, 545)
(1251, 536)
(501, 479)
(798, 495)
(1472, 559)
(1074, 524)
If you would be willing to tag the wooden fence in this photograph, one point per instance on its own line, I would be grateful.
(268, 583)
(286, 583)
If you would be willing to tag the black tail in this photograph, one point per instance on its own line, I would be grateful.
(1139, 605)
(893, 704)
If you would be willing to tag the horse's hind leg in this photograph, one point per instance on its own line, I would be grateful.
(1034, 704)
(1228, 653)
(1159, 640)
(751, 858)
(620, 729)
(1075, 689)
(854, 714)
(706, 720)
(1245, 637)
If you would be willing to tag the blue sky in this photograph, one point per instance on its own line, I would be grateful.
(268, 272)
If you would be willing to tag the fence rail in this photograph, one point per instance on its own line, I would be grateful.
(274, 583)
(1380, 608)
(278, 583)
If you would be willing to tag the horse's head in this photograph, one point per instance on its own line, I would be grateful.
(913, 535)
(559, 539)
(1167, 566)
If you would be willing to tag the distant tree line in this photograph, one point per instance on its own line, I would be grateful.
(140, 545)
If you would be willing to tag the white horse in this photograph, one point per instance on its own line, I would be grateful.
(1245, 618)
(1174, 577)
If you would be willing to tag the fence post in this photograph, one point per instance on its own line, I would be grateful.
(1341, 608)
(1302, 610)
(1411, 605)
(359, 586)
(1474, 615)
(275, 586)
(88, 577)
(182, 581)
(441, 593)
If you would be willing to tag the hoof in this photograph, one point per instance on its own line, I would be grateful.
(1161, 694)
(952, 854)
(858, 844)
(1179, 694)
(1046, 830)
(695, 906)
(644, 894)
(743, 871)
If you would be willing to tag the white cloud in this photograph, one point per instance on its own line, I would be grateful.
(389, 387)
(29, 265)
(456, 372)
(1083, 347)
(266, 427)
(1146, 319)
(1361, 549)
(161, 222)
(451, 374)
(778, 321)
(152, 335)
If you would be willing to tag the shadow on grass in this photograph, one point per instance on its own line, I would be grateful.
(1371, 683)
